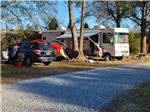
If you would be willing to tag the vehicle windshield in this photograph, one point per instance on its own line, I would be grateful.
(121, 37)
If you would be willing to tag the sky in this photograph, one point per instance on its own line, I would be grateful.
(63, 16)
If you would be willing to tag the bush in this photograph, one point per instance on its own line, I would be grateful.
(22, 34)
(134, 42)
(19, 35)
(4, 43)
(149, 40)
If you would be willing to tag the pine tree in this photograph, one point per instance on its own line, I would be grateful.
(53, 24)
(86, 26)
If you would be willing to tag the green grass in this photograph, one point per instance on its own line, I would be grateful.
(134, 100)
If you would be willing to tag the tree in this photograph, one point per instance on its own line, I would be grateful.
(24, 14)
(53, 24)
(134, 42)
(149, 39)
(73, 26)
(68, 26)
(37, 29)
(139, 14)
(108, 11)
(81, 54)
(86, 25)
(21, 14)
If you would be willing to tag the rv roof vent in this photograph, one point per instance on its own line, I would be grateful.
(99, 27)
(61, 28)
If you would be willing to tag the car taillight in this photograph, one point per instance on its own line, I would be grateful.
(37, 52)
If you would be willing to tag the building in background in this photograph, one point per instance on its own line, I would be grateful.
(51, 35)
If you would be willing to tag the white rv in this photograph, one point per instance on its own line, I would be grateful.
(113, 42)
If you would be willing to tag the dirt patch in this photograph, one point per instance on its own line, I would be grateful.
(10, 74)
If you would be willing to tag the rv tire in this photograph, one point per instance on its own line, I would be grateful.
(119, 58)
(28, 61)
(46, 63)
(107, 57)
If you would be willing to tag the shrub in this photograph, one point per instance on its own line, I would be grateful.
(19, 35)
(134, 42)
(149, 40)
(4, 43)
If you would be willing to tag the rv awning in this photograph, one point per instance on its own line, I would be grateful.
(87, 33)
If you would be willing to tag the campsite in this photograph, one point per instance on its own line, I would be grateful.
(75, 56)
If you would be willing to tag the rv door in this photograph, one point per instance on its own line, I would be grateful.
(107, 43)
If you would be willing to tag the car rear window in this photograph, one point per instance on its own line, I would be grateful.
(42, 46)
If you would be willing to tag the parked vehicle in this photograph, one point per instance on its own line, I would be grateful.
(111, 43)
(114, 43)
(36, 51)
(5, 54)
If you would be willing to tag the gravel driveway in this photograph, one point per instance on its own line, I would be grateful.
(73, 92)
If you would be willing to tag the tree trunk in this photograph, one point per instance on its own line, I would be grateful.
(143, 30)
(118, 16)
(72, 26)
(118, 23)
(81, 54)
(143, 40)
(149, 41)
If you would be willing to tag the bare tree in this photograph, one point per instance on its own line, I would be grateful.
(72, 26)
(107, 11)
(26, 14)
(139, 14)
(81, 54)
(21, 15)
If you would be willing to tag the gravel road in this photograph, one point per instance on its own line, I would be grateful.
(83, 91)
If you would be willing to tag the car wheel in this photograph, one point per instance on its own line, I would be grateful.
(28, 61)
(60, 58)
(107, 57)
(47, 63)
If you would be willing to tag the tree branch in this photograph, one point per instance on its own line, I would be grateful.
(110, 12)
(6, 3)
(134, 19)
(148, 24)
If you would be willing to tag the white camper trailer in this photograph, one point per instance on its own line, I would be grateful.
(113, 42)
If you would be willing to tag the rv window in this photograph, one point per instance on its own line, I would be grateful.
(44, 38)
(121, 37)
(107, 37)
